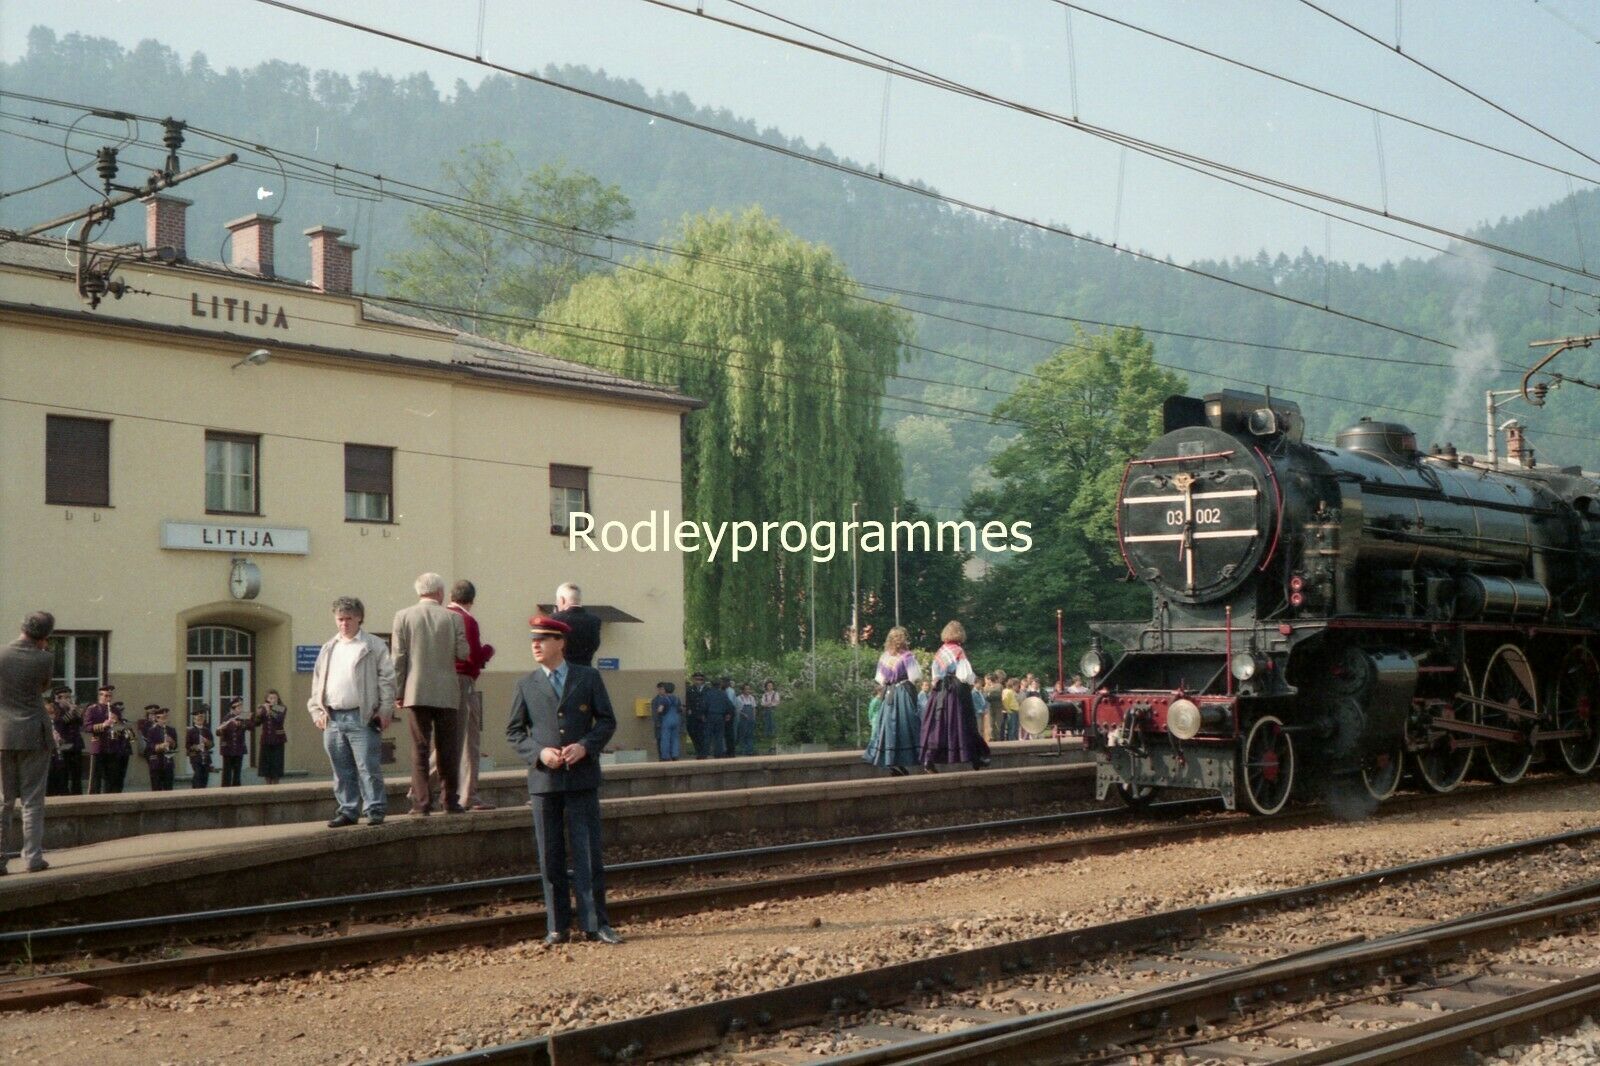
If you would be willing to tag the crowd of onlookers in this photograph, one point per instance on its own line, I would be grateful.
(95, 743)
(721, 719)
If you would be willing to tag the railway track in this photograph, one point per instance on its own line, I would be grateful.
(1204, 979)
(320, 934)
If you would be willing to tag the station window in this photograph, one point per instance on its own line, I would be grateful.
(77, 461)
(569, 492)
(368, 483)
(233, 482)
(80, 663)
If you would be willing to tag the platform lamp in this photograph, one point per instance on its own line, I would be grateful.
(258, 357)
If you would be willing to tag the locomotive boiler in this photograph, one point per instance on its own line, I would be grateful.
(1347, 612)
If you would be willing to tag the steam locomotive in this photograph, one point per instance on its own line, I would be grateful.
(1344, 613)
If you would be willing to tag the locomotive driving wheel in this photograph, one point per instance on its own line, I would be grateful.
(1266, 766)
(1380, 774)
(1508, 681)
(1441, 766)
(1575, 705)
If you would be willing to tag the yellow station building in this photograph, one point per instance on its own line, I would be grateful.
(191, 473)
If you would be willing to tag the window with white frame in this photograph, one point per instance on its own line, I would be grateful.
(368, 483)
(80, 663)
(569, 492)
(233, 473)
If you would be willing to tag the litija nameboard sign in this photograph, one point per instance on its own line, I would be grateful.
(217, 537)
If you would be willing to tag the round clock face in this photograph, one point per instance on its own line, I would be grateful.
(246, 581)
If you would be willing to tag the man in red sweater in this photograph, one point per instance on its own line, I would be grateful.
(462, 595)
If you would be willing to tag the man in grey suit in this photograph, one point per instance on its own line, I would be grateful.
(26, 739)
(561, 718)
(426, 640)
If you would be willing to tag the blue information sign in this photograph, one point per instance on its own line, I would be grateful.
(305, 657)
(607, 664)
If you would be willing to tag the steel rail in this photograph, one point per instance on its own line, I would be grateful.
(368, 943)
(691, 1029)
(54, 941)
(899, 1052)
(1526, 1016)
(1142, 1016)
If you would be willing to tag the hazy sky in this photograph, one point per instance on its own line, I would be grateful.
(1538, 59)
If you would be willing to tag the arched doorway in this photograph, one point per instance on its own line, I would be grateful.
(220, 667)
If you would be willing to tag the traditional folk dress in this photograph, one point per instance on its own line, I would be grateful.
(896, 733)
(949, 734)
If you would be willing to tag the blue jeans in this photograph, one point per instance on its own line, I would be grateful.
(667, 742)
(355, 748)
(744, 730)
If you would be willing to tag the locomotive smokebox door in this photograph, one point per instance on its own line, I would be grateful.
(1197, 514)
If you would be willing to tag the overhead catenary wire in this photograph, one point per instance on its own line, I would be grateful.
(1583, 31)
(1447, 79)
(1215, 169)
(622, 339)
(339, 178)
(1172, 366)
(842, 168)
(1177, 367)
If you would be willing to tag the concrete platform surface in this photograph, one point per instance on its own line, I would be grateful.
(168, 872)
(73, 821)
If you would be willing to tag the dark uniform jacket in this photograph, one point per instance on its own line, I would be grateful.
(231, 736)
(94, 716)
(583, 716)
(584, 640)
(154, 737)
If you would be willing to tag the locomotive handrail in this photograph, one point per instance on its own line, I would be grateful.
(1180, 458)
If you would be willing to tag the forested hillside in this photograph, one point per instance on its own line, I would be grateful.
(408, 127)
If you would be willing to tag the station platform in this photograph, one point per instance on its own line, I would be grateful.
(73, 821)
(160, 873)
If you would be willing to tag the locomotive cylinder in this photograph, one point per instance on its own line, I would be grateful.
(1492, 596)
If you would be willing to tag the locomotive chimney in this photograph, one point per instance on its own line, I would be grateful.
(1518, 450)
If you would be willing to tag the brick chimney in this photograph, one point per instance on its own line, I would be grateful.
(164, 222)
(331, 260)
(1518, 450)
(252, 244)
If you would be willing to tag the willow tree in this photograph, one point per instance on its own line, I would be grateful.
(763, 327)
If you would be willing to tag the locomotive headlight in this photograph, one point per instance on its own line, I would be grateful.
(1093, 663)
(1244, 666)
(1183, 719)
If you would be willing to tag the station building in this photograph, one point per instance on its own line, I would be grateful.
(192, 472)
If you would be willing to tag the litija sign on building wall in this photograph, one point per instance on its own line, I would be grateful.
(215, 537)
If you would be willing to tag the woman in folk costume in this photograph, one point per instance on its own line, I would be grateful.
(896, 733)
(949, 735)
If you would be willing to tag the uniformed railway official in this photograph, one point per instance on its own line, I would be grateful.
(561, 718)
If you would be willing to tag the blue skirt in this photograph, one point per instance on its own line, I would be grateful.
(896, 737)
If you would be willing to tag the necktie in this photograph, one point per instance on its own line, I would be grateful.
(556, 681)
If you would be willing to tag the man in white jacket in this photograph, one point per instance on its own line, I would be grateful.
(352, 702)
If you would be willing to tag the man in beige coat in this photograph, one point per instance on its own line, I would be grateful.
(352, 702)
(426, 640)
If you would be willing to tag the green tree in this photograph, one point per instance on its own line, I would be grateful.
(1097, 405)
(489, 256)
(932, 588)
(761, 326)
